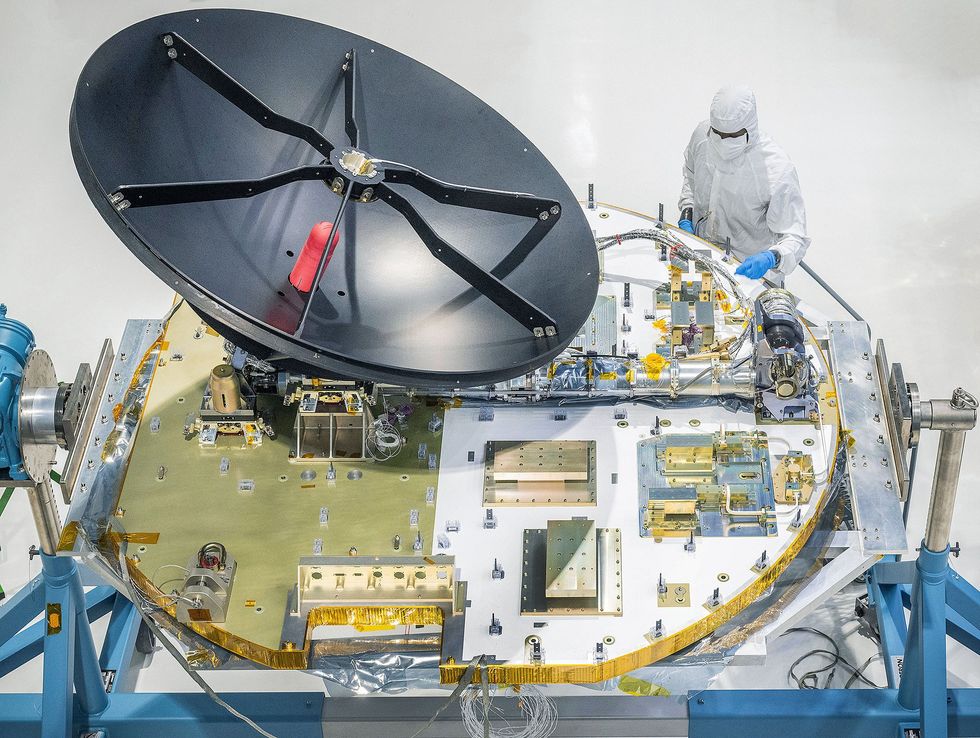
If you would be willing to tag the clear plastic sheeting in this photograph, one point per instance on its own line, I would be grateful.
(376, 673)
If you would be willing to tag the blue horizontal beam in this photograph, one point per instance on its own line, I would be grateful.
(817, 713)
(188, 715)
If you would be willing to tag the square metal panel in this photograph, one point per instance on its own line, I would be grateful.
(678, 594)
(688, 480)
(571, 559)
(600, 331)
(608, 599)
(539, 473)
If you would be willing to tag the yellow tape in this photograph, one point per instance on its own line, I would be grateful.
(654, 364)
(641, 687)
(362, 618)
(135, 537)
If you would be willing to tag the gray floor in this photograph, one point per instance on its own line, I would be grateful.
(878, 103)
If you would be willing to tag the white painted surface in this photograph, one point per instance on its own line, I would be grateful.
(573, 639)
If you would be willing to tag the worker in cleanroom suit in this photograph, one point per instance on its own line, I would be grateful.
(739, 184)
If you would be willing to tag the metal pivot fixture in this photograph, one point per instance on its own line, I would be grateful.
(953, 418)
(925, 653)
(355, 176)
(916, 701)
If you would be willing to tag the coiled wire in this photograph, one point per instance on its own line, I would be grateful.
(540, 713)
(383, 440)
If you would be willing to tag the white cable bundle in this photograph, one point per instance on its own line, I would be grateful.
(540, 713)
(383, 440)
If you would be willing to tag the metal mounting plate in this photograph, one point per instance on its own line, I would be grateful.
(539, 473)
(608, 599)
(870, 465)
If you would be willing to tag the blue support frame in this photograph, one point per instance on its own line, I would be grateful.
(75, 699)
(941, 603)
(169, 715)
(29, 643)
(119, 647)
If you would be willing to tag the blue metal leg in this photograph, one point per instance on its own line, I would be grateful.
(69, 651)
(890, 612)
(961, 627)
(59, 647)
(29, 643)
(120, 644)
(21, 609)
(88, 676)
(924, 676)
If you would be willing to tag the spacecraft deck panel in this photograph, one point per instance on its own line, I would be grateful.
(536, 584)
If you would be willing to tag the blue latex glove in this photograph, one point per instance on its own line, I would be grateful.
(687, 226)
(757, 265)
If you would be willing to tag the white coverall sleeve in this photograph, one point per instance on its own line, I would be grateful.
(786, 218)
(687, 187)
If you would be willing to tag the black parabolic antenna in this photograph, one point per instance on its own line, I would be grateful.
(213, 141)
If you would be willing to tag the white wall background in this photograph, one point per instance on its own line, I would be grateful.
(877, 102)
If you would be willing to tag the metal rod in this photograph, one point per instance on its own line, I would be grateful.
(46, 518)
(949, 459)
(831, 291)
(323, 260)
(954, 418)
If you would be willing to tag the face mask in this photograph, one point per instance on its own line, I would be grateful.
(727, 149)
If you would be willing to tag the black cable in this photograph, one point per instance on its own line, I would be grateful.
(860, 672)
(811, 679)
(831, 291)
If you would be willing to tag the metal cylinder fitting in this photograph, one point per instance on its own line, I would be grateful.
(226, 395)
(954, 417)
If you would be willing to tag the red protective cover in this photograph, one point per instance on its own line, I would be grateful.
(305, 269)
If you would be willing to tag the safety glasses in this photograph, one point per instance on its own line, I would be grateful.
(737, 134)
